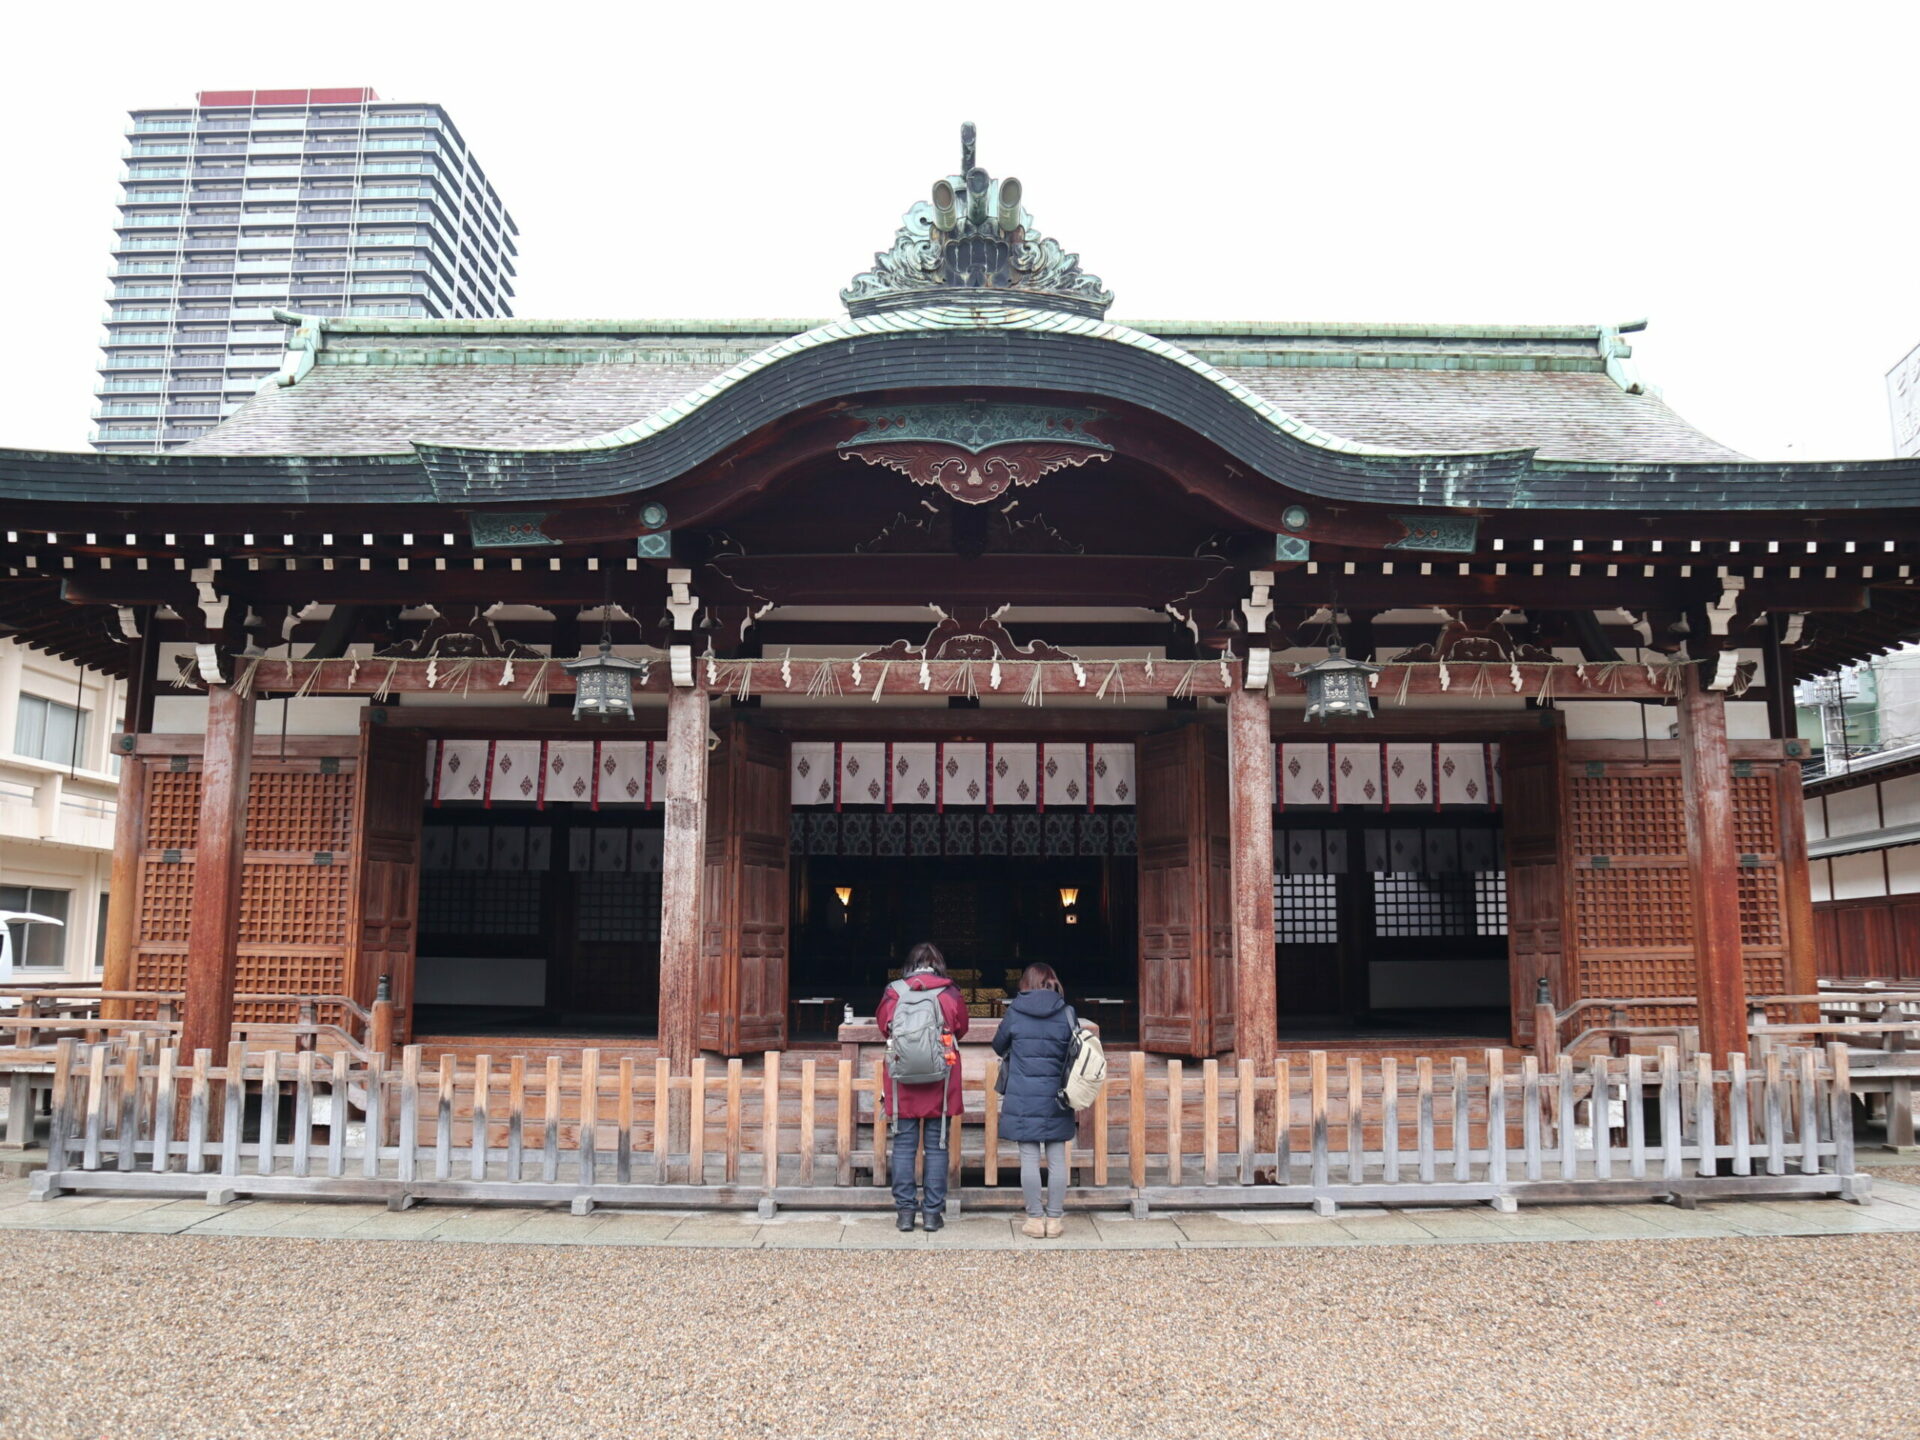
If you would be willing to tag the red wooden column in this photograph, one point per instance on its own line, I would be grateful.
(682, 859)
(1250, 824)
(1706, 782)
(213, 932)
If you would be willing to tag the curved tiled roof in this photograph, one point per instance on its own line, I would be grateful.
(402, 413)
(380, 389)
(1563, 416)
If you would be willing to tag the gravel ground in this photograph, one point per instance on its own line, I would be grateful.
(171, 1336)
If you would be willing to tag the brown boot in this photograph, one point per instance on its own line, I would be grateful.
(1056, 1227)
(1034, 1229)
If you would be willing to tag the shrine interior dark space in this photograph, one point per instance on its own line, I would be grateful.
(539, 922)
(991, 915)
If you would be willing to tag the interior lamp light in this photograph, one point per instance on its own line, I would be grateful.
(844, 894)
(1069, 897)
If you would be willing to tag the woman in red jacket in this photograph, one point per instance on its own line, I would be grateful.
(921, 1112)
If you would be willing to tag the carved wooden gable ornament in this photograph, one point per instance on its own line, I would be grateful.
(976, 452)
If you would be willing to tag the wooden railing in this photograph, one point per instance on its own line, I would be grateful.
(130, 1116)
(1882, 1028)
(39, 1016)
(1869, 1017)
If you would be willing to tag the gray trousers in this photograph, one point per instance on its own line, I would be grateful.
(1056, 1176)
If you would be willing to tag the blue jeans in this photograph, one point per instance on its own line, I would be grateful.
(907, 1134)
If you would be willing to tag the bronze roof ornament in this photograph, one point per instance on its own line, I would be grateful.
(972, 236)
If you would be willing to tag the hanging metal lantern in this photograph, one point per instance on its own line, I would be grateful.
(603, 684)
(1338, 688)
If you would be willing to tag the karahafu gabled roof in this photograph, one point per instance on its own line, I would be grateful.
(368, 387)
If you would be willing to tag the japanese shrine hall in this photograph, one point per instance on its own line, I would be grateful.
(971, 616)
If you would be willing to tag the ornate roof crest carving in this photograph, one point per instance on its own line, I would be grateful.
(974, 240)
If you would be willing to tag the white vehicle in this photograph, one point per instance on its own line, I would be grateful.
(8, 919)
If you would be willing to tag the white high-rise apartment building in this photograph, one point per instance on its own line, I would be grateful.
(326, 202)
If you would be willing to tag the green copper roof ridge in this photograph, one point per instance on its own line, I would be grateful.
(744, 325)
(795, 325)
(1350, 329)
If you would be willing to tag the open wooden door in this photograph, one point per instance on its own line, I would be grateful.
(388, 805)
(1533, 783)
(1186, 912)
(743, 895)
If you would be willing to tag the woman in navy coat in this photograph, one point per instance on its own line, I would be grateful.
(1033, 1041)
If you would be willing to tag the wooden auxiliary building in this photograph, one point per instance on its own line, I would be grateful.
(941, 611)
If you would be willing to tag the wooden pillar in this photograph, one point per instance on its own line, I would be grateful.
(213, 931)
(1796, 891)
(1706, 781)
(683, 857)
(129, 829)
(1783, 720)
(1250, 824)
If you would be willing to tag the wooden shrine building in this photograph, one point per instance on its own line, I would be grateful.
(970, 615)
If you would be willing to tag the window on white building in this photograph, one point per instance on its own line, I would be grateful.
(39, 947)
(48, 730)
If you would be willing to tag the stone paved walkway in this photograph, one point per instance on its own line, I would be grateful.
(1895, 1208)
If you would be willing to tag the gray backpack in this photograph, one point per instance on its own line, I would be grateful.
(915, 1054)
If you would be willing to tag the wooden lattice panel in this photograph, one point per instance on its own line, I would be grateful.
(1756, 821)
(166, 900)
(1633, 888)
(1616, 814)
(294, 903)
(1762, 917)
(157, 969)
(1631, 909)
(299, 810)
(274, 972)
(173, 807)
(1639, 974)
(293, 912)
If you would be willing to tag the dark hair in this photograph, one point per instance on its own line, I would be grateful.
(1040, 977)
(925, 956)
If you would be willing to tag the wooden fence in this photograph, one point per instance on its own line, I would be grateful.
(129, 1116)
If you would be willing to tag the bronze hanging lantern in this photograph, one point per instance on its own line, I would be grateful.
(603, 684)
(1338, 688)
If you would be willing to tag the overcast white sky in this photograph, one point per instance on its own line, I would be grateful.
(1741, 174)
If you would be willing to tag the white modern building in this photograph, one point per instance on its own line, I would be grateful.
(58, 780)
(1903, 403)
(328, 202)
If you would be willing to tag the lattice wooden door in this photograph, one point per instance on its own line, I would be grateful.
(386, 873)
(1186, 914)
(743, 948)
(1533, 781)
(1632, 892)
(294, 889)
